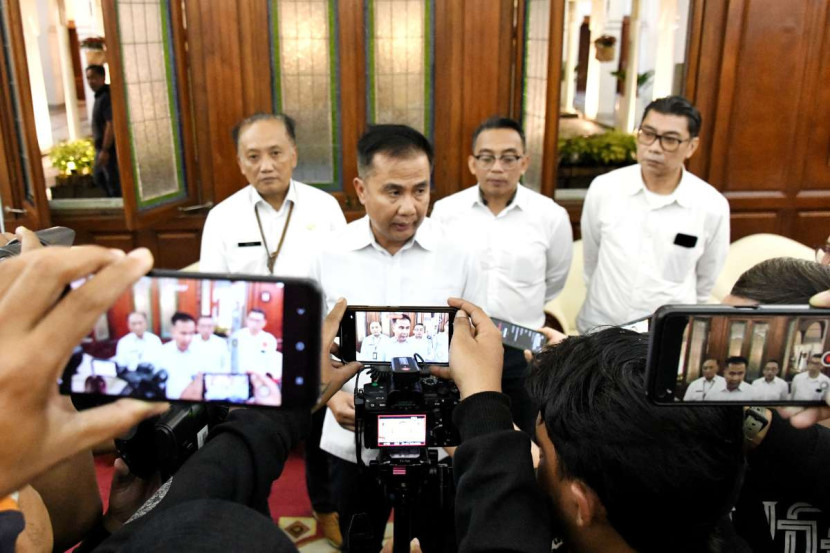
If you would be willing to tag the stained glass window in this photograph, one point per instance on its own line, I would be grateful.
(534, 104)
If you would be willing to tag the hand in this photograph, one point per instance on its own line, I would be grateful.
(128, 492)
(341, 406)
(195, 391)
(414, 546)
(801, 417)
(40, 328)
(266, 391)
(476, 352)
(333, 374)
(552, 336)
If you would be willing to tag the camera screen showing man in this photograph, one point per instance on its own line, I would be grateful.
(393, 335)
(253, 349)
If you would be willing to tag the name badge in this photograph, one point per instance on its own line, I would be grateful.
(248, 244)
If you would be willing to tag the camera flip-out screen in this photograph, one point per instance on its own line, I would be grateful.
(402, 430)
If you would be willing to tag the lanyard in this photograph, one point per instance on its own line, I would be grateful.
(272, 257)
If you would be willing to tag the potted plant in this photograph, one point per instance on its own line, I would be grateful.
(94, 48)
(583, 158)
(642, 78)
(74, 161)
(605, 50)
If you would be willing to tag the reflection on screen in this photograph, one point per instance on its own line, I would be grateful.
(402, 430)
(754, 357)
(382, 335)
(163, 336)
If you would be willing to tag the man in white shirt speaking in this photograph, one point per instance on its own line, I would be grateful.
(652, 233)
(214, 348)
(735, 388)
(393, 256)
(254, 349)
(181, 361)
(523, 240)
(274, 224)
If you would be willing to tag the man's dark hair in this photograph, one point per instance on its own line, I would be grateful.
(181, 316)
(782, 280)
(97, 69)
(420, 324)
(736, 360)
(776, 361)
(497, 122)
(398, 141)
(402, 317)
(261, 116)
(665, 475)
(677, 105)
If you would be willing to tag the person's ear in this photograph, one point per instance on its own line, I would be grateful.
(471, 163)
(588, 508)
(239, 163)
(693, 144)
(360, 190)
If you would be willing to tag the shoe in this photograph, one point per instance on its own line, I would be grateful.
(330, 523)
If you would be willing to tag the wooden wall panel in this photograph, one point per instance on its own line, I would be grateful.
(746, 223)
(813, 227)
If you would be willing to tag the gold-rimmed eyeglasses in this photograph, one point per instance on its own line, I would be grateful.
(668, 143)
(507, 161)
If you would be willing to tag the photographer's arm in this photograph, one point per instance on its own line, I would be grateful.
(498, 504)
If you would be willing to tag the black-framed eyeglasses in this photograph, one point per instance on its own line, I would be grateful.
(507, 161)
(668, 143)
(821, 251)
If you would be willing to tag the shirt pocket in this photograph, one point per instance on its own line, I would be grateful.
(679, 262)
(525, 265)
(245, 259)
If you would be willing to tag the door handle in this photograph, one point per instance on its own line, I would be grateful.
(14, 211)
(192, 208)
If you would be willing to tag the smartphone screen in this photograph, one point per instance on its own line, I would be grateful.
(746, 355)
(199, 337)
(519, 337)
(402, 430)
(379, 334)
(232, 388)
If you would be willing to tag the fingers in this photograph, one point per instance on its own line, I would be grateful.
(528, 355)
(332, 322)
(440, 372)
(342, 374)
(28, 240)
(552, 336)
(481, 322)
(822, 299)
(95, 425)
(75, 315)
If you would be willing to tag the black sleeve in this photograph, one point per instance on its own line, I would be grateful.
(106, 108)
(498, 505)
(801, 453)
(240, 461)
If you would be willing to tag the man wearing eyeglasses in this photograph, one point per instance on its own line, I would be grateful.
(523, 240)
(652, 233)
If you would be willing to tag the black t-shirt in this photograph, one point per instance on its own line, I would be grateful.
(783, 504)
(101, 114)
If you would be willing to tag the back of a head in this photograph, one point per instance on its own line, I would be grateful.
(677, 105)
(665, 475)
(396, 141)
(782, 280)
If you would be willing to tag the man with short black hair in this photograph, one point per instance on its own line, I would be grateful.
(652, 233)
(177, 357)
(770, 387)
(408, 261)
(523, 240)
(254, 349)
(735, 388)
(105, 174)
(811, 385)
(214, 349)
(273, 225)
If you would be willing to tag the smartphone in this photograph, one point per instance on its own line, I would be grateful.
(376, 335)
(402, 430)
(753, 355)
(223, 338)
(231, 388)
(54, 236)
(519, 337)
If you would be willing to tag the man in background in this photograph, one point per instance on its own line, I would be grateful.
(105, 174)
(523, 241)
(178, 357)
(371, 349)
(707, 383)
(770, 387)
(214, 349)
(253, 349)
(811, 385)
(652, 233)
(139, 345)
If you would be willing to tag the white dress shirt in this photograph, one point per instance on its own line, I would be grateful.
(132, 350)
(524, 252)
(215, 353)
(181, 367)
(698, 390)
(425, 272)
(810, 389)
(372, 347)
(632, 264)
(742, 393)
(255, 353)
(777, 390)
(232, 243)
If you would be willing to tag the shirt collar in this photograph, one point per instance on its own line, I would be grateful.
(684, 195)
(362, 236)
(518, 200)
(255, 199)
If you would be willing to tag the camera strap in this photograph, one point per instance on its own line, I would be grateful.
(272, 257)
